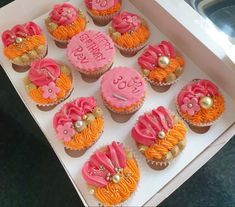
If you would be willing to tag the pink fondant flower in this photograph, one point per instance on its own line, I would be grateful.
(190, 106)
(50, 90)
(63, 14)
(65, 132)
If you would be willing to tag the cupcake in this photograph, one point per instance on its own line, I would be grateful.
(160, 64)
(200, 103)
(48, 83)
(91, 53)
(103, 11)
(129, 32)
(79, 124)
(64, 22)
(24, 44)
(123, 90)
(160, 136)
(112, 174)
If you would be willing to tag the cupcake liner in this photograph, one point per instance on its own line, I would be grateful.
(207, 124)
(96, 73)
(50, 106)
(125, 112)
(28, 63)
(155, 83)
(137, 160)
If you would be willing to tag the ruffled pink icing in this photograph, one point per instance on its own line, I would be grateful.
(43, 71)
(73, 111)
(27, 29)
(122, 87)
(100, 4)
(197, 89)
(126, 22)
(103, 164)
(149, 125)
(149, 59)
(63, 14)
(90, 50)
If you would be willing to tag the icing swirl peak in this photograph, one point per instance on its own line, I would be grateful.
(44, 71)
(63, 14)
(126, 22)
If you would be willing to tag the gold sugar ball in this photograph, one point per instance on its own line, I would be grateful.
(206, 102)
(163, 61)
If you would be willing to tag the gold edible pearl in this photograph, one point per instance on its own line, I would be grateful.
(163, 61)
(206, 102)
(146, 72)
(18, 40)
(116, 178)
(91, 191)
(161, 134)
(84, 117)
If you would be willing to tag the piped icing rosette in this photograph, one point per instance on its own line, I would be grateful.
(79, 123)
(24, 43)
(129, 32)
(160, 64)
(48, 82)
(123, 90)
(112, 174)
(200, 103)
(102, 11)
(159, 136)
(65, 21)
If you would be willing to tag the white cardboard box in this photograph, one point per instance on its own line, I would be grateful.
(208, 60)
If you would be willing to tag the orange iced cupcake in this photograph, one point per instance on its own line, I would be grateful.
(103, 11)
(129, 32)
(64, 22)
(200, 103)
(48, 83)
(160, 136)
(160, 64)
(112, 174)
(79, 124)
(24, 44)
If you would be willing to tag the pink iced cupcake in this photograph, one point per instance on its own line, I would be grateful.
(91, 53)
(24, 44)
(200, 103)
(160, 64)
(64, 22)
(79, 124)
(129, 32)
(103, 11)
(123, 90)
(48, 83)
(112, 174)
(160, 136)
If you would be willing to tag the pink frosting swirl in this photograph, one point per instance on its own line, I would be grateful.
(149, 125)
(73, 111)
(27, 29)
(126, 22)
(43, 71)
(63, 14)
(103, 165)
(149, 59)
(104, 4)
(197, 89)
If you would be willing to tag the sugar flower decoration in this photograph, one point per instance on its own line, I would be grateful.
(190, 106)
(50, 90)
(65, 132)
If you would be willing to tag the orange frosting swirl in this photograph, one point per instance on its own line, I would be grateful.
(29, 43)
(116, 193)
(86, 137)
(205, 116)
(134, 39)
(66, 32)
(159, 74)
(158, 150)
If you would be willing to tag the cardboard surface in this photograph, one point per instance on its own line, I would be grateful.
(151, 181)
